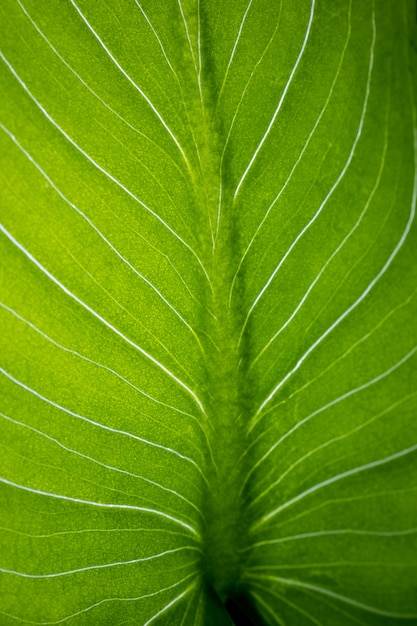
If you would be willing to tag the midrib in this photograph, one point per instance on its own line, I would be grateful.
(223, 509)
(223, 390)
(224, 400)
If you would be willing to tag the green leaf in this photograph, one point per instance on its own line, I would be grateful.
(208, 304)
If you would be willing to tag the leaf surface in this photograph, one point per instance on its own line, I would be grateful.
(208, 303)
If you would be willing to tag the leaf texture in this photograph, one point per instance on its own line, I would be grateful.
(208, 304)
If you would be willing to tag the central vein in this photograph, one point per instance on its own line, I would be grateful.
(224, 393)
(223, 509)
(223, 390)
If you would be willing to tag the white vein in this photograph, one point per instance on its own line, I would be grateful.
(187, 32)
(287, 86)
(101, 602)
(175, 74)
(345, 500)
(198, 69)
(132, 82)
(337, 608)
(333, 532)
(95, 94)
(82, 81)
(102, 236)
(126, 381)
(98, 424)
(114, 112)
(332, 594)
(332, 256)
(169, 605)
(157, 38)
(105, 505)
(101, 319)
(330, 404)
(390, 259)
(322, 446)
(125, 309)
(120, 117)
(281, 191)
(333, 564)
(136, 130)
(268, 608)
(363, 294)
(288, 602)
(168, 260)
(98, 567)
(332, 190)
(199, 613)
(64, 533)
(101, 464)
(233, 123)
(184, 617)
(242, 23)
(351, 348)
(99, 167)
(96, 363)
(114, 373)
(334, 479)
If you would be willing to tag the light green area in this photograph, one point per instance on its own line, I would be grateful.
(208, 305)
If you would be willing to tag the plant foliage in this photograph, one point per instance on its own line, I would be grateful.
(208, 304)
